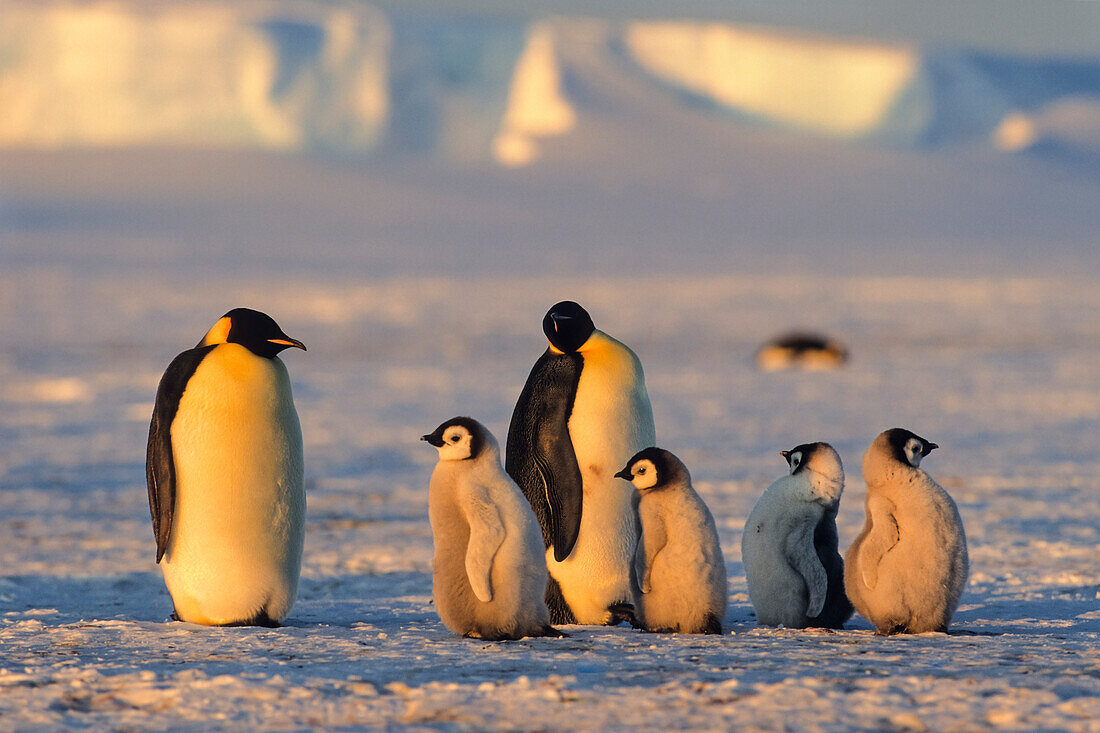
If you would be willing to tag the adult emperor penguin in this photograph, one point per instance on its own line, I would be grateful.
(583, 412)
(789, 546)
(488, 573)
(679, 564)
(224, 469)
(907, 569)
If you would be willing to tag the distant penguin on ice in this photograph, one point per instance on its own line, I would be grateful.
(906, 570)
(582, 413)
(488, 572)
(789, 546)
(797, 349)
(224, 472)
(678, 563)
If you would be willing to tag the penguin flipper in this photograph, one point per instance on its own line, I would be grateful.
(160, 467)
(802, 556)
(487, 533)
(540, 457)
(838, 608)
(880, 540)
(651, 541)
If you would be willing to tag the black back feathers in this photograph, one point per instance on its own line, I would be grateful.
(540, 457)
(160, 465)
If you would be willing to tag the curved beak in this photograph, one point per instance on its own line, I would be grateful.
(928, 448)
(555, 318)
(288, 342)
(624, 474)
(433, 439)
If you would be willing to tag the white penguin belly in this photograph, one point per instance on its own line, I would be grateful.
(238, 529)
(611, 421)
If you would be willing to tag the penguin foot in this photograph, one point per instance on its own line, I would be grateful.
(260, 619)
(493, 636)
(623, 611)
(711, 625)
(552, 632)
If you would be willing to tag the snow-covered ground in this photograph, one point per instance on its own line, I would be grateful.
(961, 275)
(1000, 372)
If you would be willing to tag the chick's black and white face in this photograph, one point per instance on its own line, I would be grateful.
(914, 451)
(644, 475)
(794, 460)
(457, 444)
(458, 439)
(906, 446)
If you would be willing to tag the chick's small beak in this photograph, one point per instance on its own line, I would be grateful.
(929, 447)
(433, 439)
(624, 474)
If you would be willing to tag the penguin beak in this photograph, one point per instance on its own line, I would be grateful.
(624, 474)
(555, 318)
(928, 448)
(288, 342)
(433, 439)
(786, 456)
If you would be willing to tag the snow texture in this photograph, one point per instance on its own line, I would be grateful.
(961, 278)
(1000, 373)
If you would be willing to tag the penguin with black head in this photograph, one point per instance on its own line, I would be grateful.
(224, 471)
(583, 412)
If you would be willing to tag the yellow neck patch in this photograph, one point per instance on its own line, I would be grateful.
(219, 333)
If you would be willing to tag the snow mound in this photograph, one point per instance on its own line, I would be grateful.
(477, 85)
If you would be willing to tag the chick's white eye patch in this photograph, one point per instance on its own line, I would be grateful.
(914, 451)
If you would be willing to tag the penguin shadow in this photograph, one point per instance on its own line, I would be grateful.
(385, 601)
(1062, 612)
(56, 600)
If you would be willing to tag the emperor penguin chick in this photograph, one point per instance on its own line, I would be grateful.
(488, 572)
(789, 546)
(678, 563)
(224, 472)
(906, 570)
